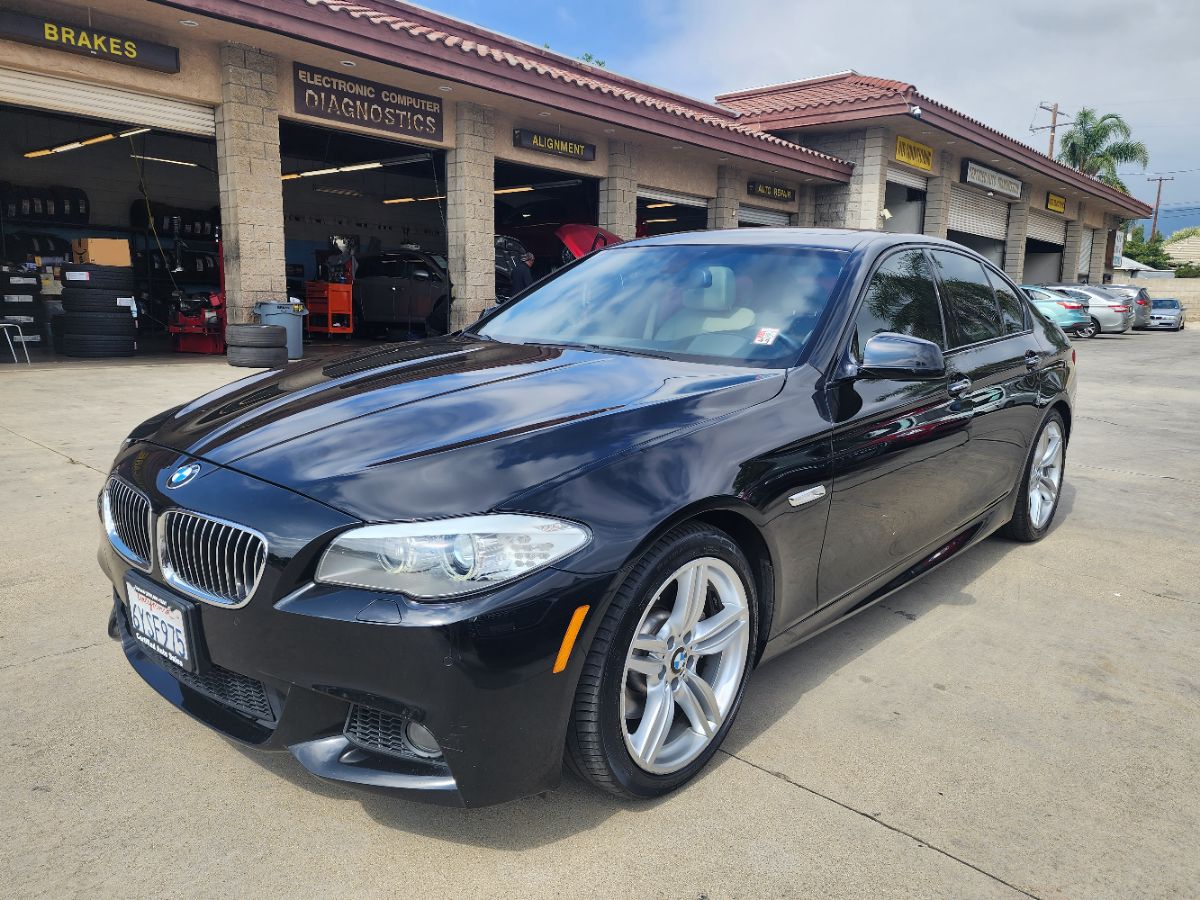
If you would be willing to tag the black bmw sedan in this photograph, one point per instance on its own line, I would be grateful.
(570, 532)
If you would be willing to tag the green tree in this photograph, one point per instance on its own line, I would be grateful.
(1096, 144)
(1151, 252)
(1187, 270)
(1183, 234)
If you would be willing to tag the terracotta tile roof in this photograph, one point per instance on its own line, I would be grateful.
(559, 69)
(828, 90)
(767, 107)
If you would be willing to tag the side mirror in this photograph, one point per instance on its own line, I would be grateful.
(901, 358)
(422, 274)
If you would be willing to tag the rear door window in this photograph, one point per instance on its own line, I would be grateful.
(902, 299)
(972, 303)
(1012, 310)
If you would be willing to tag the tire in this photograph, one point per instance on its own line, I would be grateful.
(258, 357)
(256, 336)
(1095, 329)
(87, 276)
(120, 323)
(77, 301)
(599, 737)
(98, 345)
(1023, 526)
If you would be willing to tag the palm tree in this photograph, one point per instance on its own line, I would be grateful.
(1096, 145)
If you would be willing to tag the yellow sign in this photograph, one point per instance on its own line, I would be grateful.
(1055, 203)
(913, 154)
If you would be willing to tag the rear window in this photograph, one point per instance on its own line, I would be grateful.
(972, 303)
(1164, 304)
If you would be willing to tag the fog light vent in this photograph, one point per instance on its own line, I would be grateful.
(382, 732)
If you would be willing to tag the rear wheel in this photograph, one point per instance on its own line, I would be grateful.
(1091, 329)
(1041, 485)
(666, 672)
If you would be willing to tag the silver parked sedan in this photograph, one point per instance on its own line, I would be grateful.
(1139, 299)
(1110, 314)
(1167, 313)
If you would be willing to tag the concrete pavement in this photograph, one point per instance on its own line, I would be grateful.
(1025, 721)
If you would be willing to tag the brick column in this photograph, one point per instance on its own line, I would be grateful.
(1014, 243)
(248, 177)
(723, 209)
(618, 191)
(867, 196)
(471, 212)
(937, 200)
(1099, 253)
(1070, 263)
(806, 217)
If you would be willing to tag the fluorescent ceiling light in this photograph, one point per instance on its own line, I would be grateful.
(657, 221)
(414, 199)
(86, 142)
(341, 192)
(358, 167)
(523, 189)
(159, 159)
(658, 205)
(514, 190)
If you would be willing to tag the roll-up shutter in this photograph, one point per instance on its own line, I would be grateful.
(46, 92)
(976, 214)
(1047, 228)
(658, 196)
(1086, 239)
(908, 179)
(752, 215)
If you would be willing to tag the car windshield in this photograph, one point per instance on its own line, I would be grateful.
(1164, 304)
(752, 305)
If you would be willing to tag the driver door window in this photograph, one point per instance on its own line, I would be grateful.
(902, 299)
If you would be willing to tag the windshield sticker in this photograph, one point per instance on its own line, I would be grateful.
(766, 336)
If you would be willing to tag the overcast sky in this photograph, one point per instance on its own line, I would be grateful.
(994, 61)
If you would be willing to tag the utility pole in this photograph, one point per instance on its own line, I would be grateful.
(1157, 200)
(1053, 110)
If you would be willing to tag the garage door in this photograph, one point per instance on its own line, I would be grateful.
(752, 215)
(1086, 239)
(908, 179)
(1047, 228)
(976, 214)
(46, 92)
(657, 196)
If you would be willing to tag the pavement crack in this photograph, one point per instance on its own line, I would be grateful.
(26, 662)
(924, 843)
(1079, 465)
(72, 460)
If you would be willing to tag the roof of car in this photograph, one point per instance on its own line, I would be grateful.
(833, 238)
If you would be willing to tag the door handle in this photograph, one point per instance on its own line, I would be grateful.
(959, 386)
(1031, 360)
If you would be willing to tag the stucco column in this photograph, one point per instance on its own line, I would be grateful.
(937, 199)
(618, 191)
(1070, 263)
(248, 178)
(723, 209)
(1014, 243)
(471, 212)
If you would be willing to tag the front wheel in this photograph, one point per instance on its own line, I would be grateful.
(1041, 485)
(666, 672)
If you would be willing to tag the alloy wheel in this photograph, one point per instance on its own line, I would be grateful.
(1045, 475)
(685, 665)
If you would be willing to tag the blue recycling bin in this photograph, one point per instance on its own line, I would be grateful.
(291, 316)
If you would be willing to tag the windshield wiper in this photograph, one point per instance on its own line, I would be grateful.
(599, 348)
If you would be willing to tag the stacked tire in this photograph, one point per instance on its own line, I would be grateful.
(21, 305)
(257, 346)
(95, 323)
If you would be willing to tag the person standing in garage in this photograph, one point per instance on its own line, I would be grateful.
(522, 276)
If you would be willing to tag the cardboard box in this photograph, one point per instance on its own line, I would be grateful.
(101, 251)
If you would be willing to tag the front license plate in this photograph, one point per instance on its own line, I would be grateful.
(160, 624)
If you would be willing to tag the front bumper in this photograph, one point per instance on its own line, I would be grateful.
(476, 673)
(1172, 324)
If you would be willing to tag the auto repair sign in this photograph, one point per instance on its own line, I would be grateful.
(353, 101)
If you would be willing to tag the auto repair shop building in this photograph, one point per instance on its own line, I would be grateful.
(288, 121)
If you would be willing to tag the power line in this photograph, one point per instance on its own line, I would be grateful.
(1170, 172)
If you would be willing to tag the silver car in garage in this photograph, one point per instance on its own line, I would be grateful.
(1167, 312)
(1110, 314)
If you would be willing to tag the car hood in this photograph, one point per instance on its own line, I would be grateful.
(450, 426)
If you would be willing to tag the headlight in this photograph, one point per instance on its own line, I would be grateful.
(450, 556)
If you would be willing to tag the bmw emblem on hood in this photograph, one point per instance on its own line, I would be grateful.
(183, 475)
